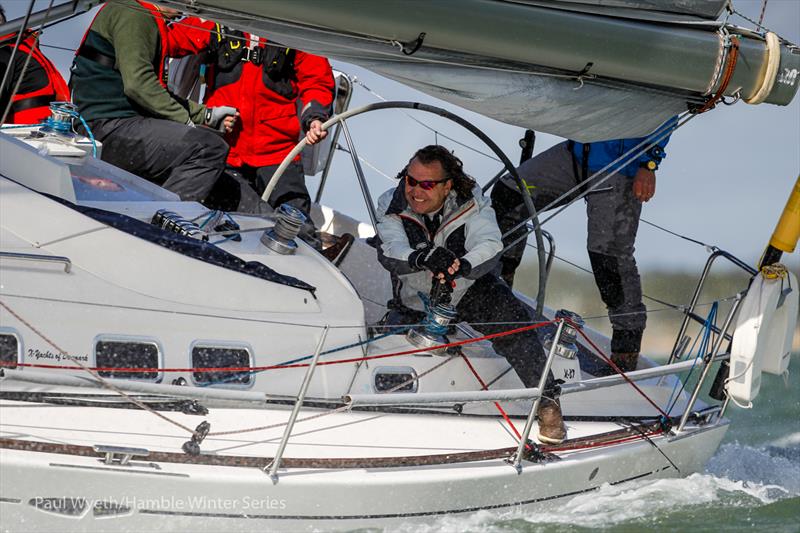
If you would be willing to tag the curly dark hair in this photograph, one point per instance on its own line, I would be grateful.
(452, 166)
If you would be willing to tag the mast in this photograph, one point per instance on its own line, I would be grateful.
(787, 231)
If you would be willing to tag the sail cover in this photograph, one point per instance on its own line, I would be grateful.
(588, 70)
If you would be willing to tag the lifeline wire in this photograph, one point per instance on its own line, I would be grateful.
(105, 383)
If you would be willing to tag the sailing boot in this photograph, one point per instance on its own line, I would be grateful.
(626, 362)
(551, 424)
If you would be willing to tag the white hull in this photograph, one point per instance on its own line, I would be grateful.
(177, 496)
(345, 468)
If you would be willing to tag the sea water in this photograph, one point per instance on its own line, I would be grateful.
(751, 484)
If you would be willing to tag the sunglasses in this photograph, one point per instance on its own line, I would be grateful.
(425, 185)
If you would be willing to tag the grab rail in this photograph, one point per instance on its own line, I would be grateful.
(689, 313)
(40, 257)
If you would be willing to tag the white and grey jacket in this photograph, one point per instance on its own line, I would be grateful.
(468, 229)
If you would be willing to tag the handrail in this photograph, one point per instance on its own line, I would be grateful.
(689, 313)
(40, 257)
(707, 361)
(57, 378)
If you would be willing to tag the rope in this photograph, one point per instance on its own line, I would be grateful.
(763, 11)
(238, 375)
(366, 162)
(710, 248)
(333, 411)
(610, 363)
(602, 175)
(105, 383)
(668, 305)
(485, 387)
(701, 351)
(748, 19)
(294, 365)
(730, 66)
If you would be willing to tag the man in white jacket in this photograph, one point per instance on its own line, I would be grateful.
(437, 224)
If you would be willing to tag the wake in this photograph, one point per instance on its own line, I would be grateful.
(737, 476)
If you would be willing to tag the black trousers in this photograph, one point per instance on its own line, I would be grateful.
(185, 160)
(490, 307)
(612, 223)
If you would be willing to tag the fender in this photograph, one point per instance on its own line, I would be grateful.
(762, 339)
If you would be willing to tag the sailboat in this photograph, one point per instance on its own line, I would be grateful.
(159, 373)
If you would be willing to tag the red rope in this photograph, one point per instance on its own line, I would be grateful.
(496, 404)
(733, 56)
(616, 368)
(640, 436)
(278, 367)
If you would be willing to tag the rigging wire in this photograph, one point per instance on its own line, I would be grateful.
(436, 132)
(9, 68)
(604, 174)
(734, 11)
(763, 11)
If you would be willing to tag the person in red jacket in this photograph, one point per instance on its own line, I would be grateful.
(264, 81)
(39, 83)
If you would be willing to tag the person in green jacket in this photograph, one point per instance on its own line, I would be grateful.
(119, 85)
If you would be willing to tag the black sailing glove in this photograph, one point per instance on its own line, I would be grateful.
(415, 260)
(439, 260)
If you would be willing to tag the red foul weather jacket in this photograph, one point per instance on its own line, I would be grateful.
(41, 85)
(263, 81)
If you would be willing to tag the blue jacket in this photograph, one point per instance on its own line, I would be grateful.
(603, 153)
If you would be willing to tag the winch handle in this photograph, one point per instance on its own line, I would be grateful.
(441, 293)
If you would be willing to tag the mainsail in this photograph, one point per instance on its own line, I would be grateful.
(583, 69)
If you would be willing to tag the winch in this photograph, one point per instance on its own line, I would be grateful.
(439, 314)
(281, 237)
(566, 347)
(59, 122)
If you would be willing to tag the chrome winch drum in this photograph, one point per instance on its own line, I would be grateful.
(281, 237)
(567, 346)
(433, 329)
